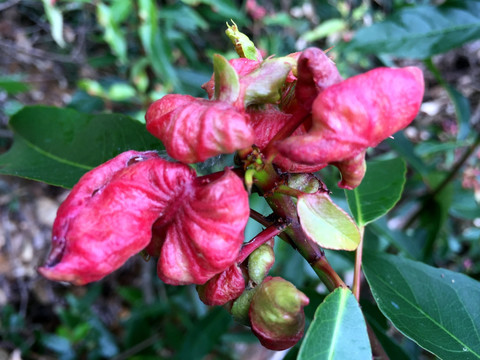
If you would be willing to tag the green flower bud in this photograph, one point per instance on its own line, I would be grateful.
(260, 262)
(276, 313)
(241, 307)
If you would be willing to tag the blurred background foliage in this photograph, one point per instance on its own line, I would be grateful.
(120, 55)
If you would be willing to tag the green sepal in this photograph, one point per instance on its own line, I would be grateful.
(265, 84)
(227, 84)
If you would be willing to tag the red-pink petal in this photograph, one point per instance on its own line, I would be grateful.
(206, 233)
(357, 113)
(194, 130)
(108, 215)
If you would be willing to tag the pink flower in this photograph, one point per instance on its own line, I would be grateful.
(108, 217)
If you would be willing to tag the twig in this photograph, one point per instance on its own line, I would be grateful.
(44, 55)
(7, 4)
(358, 266)
(453, 172)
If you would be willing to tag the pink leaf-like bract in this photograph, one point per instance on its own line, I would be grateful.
(223, 287)
(194, 130)
(109, 213)
(355, 114)
(205, 233)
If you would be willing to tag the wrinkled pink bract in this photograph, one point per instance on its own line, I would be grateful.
(223, 287)
(109, 213)
(355, 114)
(204, 232)
(194, 130)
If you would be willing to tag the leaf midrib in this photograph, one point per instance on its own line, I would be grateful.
(425, 315)
(54, 157)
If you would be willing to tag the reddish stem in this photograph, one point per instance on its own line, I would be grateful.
(266, 235)
(260, 218)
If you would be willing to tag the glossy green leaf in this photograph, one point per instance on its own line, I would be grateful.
(379, 191)
(436, 308)
(58, 146)
(327, 224)
(422, 31)
(338, 330)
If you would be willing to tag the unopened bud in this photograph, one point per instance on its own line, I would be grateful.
(241, 306)
(276, 313)
(223, 287)
(260, 262)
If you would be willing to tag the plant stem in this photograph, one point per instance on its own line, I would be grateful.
(287, 190)
(266, 235)
(358, 266)
(255, 215)
(378, 351)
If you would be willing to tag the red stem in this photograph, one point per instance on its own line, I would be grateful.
(266, 235)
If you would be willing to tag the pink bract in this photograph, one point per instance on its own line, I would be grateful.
(109, 214)
(355, 114)
(223, 287)
(194, 130)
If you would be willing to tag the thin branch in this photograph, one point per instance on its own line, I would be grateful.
(41, 54)
(453, 172)
(266, 235)
(8, 4)
(357, 276)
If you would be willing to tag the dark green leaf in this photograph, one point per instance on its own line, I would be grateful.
(436, 308)
(405, 149)
(12, 86)
(58, 146)
(338, 330)
(205, 334)
(379, 191)
(154, 42)
(422, 31)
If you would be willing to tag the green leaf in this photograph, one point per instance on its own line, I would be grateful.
(338, 330)
(327, 224)
(155, 43)
(379, 191)
(205, 334)
(55, 18)
(325, 29)
(113, 34)
(436, 308)
(421, 31)
(58, 146)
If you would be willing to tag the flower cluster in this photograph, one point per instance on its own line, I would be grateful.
(295, 113)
